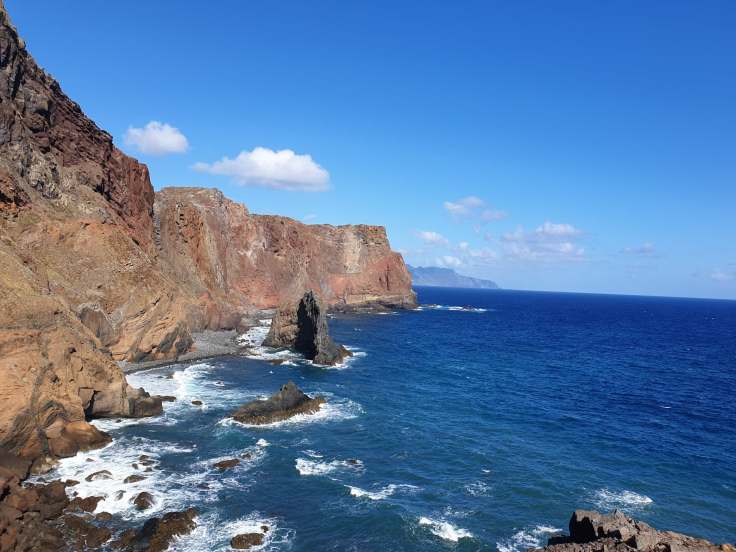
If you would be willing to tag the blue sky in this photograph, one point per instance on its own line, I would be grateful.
(573, 146)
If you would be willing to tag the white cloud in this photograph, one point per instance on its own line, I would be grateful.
(492, 214)
(433, 238)
(645, 249)
(463, 246)
(310, 216)
(557, 230)
(448, 261)
(721, 276)
(472, 207)
(157, 139)
(548, 242)
(280, 170)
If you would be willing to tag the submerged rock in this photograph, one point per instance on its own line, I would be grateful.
(592, 531)
(303, 328)
(288, 402)
(102, 474)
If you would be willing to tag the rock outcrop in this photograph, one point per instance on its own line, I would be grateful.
(616, 532)
(95, 268)
(303, 328)
(158, 533)
(286, 403)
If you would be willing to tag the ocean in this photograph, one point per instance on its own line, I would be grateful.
(478, 422)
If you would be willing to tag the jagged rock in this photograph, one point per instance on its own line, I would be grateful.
(226, 464)
(303, 328)
(88, 504)
(157, 533)
(592, 531)
(143, 501)
(287, 402)
(246, 540)
(84, 535)
(197, 402)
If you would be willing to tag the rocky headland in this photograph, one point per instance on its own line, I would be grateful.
(96, 268)
(282, 405)
(592, 531)
(302, 327)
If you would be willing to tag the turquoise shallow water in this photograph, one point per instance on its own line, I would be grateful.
(454, 429)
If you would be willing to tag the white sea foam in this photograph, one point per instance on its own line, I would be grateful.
(214, 534)
(118, 458)
(262, 443)
(385, 492)
(529, 538)
(445, 529)
(451, 308)
(606, 499)
(313, 467)
(477, 488)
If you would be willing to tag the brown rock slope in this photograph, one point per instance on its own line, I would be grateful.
(90, 273)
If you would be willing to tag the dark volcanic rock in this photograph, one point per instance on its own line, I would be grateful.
(288, 402)
(88, 504)
(143, 501)
(226, 464)
(84, 535)
(615, 532)
(246, 540)
(157, 533)
(303, 328)
(102, 474)
(134, 478)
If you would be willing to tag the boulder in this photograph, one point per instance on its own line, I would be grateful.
(83, 534)
(102, 474)
(226, 464)
(88, 504)
(143, 501)
(134, 478)
(246, 540)
(303, 328)
(287, 402)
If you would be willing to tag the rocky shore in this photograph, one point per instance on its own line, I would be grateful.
(591, 531)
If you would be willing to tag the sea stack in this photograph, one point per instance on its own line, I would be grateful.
(288, 402)
(303, 328)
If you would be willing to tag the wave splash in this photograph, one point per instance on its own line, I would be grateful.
(526, 539)
(628, 501)
(444, 529)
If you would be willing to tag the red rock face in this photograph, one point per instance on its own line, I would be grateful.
(214, 246)
(91, 274)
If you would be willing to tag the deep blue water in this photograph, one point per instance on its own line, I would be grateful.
(495, 424)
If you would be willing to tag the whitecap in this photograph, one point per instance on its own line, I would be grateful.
(477, 488)
(606, 499)
(313, 467)
(529, 538)
(262, 443)
(445, 529)
(385, 492)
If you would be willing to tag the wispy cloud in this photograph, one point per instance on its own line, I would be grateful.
(722, 276)
(448, 261)
(432, 238)
(549, 242)
(280, 170)
(645, 250)
(310, 216)
(472, 207)
(156, 139)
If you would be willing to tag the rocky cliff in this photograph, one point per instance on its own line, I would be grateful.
(96, 268)
(216, 248)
